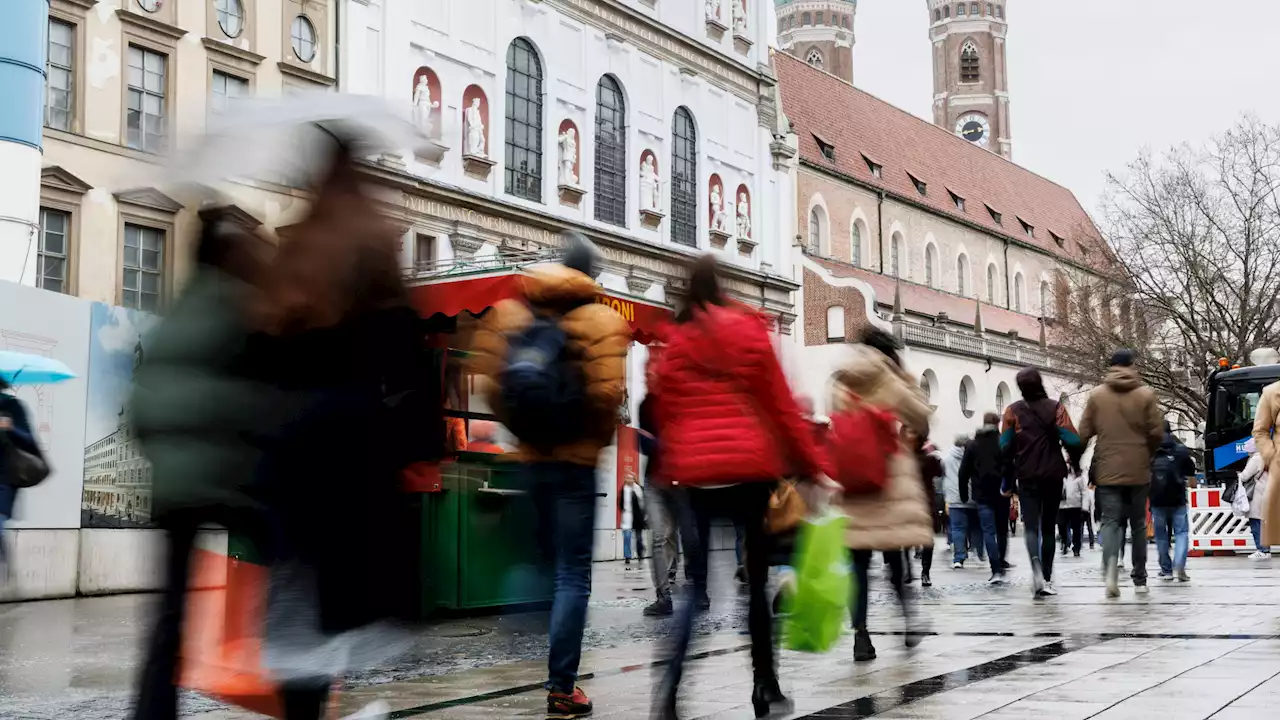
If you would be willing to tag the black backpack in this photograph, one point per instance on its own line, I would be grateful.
(543, 389)
(1168, 487)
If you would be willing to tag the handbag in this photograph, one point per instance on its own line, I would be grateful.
(787, 509)
(22, 469)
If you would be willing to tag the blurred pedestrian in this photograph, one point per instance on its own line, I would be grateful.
(1266, 419)
(16, 432)
(897, 516)
(734, 430)
(483, 433)
(668, 507)
(633, 520)
(1071, 515)
(983, 470)
(1170, 468)
(1123, 414)
(930, 465)
(557, 348)
(1254, 480)
(1036, 430)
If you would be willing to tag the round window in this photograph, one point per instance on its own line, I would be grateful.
(304, 39)
(230, 16)
(151, 5)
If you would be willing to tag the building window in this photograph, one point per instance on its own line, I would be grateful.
(946, 12)
(143, 268)
(874, 167)
(996, 217)
(895, 257)
(991, 9)
(960, 10)
(974, 9)
(51, 261)
(1030, 230)
(966, 396)
(1000, 12)
(806, 19)
(930, 265)
(937, 15)
(959, 201)
(1057, 239)
(684, 179)
(848, 22)
(992, 278)
(969, 65)
(921, 187)
(304, 38)
(424, 252)
(611, 153)
(827, 149)
(1019, 289)
(835, 324)
(524, 121)
(147, 114)
(60, 77)
(962, 276)
(815, 231)
(1002, 397)
(225, 87)
(817, 19)
(230, 14)
(926, 386)
(814, 58)
(855, 245)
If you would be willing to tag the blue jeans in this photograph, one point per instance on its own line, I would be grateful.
(965, 529)
(989, 520)
(1255, 526)
(1171, 520)
(565, 497)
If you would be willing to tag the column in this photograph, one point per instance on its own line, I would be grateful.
(23, 27)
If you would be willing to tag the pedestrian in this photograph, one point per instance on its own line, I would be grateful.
(731, 430)
(896, 516)
(930, 465)
(1266, 419)
(1088, 508)
(1254, 480)
(1123, 414)
(959, 502)
(982, 472)
(1036, 431)
(16, 432)
(667, 506)
(1170, 468)
(562, 338)
(633, 520)
(1071, 514)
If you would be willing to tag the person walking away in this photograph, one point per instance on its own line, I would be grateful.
(896, 516)
(959, 501)
(1170, 468)
(1087, 509)
(930, 466)
(1035, 432)
(1123, 415)
(1070, 514)
(633, 520)
(16, 429)
(1265, 422)
(722, 392)
(668, 507)
(529, 350)
(1254, 480)
(982, 471)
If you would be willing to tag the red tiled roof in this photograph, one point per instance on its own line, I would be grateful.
(858, 124)
(924, 300)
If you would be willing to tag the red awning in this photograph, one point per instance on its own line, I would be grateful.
(477, 294)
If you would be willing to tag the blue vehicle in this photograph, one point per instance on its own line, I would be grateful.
(1233, 396)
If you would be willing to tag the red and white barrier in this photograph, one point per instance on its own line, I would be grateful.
(1214, 528)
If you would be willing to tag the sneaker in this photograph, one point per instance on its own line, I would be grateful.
(1112, 574)
(997, 578)
(957, 566)
(1259, 555)
(863, 650)
(925, 580)
(1182, 576)
(1166, 576)
(1141, 589)
(1048, 589)
(562, 706)
(377, 710)
(1037, 580)
(1077, 553)
(661, 608)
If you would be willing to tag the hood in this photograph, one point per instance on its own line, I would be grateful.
(1031, 384)
(557, 285)
(987, 430)
(1123, 379)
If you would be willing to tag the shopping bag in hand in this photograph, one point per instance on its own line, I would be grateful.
(824, 585)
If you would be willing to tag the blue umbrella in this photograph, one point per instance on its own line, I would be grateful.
(24, 369)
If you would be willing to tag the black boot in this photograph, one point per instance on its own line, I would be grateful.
(863, 650)
(767, 699)
(661, 608)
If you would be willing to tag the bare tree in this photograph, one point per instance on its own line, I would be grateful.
(1196, 240)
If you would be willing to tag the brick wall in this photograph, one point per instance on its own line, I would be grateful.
(818, 296)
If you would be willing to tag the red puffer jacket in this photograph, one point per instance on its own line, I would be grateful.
(725, 412)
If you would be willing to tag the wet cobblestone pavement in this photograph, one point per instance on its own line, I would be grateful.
(1206, 649)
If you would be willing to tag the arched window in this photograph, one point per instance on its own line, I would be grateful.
(855, 244)
(1018, 292)
(1044, 299)
(1002, 397)
(928, 383)
(946, 11)
(969, 66)
(1000, 12)
(991, 284)
(806, 19)
(524, 121)
(835, 324)
(817, 218)
(931, 265)
(960, 10)
(684, 179)
(962, 276)
(974, 9)
(966, 396)
(814, 58)
(611, 153)
(896, 255)
(937, 15)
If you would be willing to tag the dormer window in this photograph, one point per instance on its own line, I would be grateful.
(1030, 229)
(877, 171)
(996, 217)
(921, 186)
(827, 149)
(1057, 239)
(959, 201)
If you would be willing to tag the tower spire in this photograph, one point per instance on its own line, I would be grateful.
(970, 79)
(820, 32)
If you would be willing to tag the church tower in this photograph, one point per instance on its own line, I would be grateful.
(970, 81)
(820, 32)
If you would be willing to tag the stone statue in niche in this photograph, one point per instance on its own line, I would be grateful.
(568, 157)
(713, 9)
(744, 217)
(475, 129)
(650, 184)
(719, 218)
(423, 105)
(739, 16)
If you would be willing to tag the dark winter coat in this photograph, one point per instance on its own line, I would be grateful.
(23, 438)
(1186, 467)
(983, 468)
(1035, 432)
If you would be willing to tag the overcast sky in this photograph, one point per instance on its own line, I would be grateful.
(1093, 81)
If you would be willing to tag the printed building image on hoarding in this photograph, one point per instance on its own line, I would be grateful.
(117, 478)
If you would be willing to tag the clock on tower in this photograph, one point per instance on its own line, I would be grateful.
(975, 128)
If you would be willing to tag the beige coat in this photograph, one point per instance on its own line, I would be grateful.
(899, 515)
(1265, 422)
(1124, 415)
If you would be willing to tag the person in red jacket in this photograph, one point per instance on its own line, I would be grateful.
(734, 429)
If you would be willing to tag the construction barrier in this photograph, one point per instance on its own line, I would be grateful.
(1214, 528)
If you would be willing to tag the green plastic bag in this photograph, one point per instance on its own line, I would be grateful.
(824, 585)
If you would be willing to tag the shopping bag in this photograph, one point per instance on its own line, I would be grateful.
(1240, 504)
(824, 585)
(221, 653)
